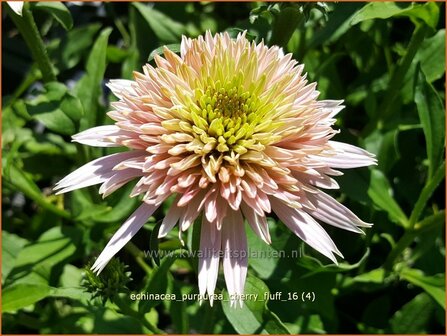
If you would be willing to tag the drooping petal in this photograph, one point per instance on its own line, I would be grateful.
(328, 210)
(129, 228)
(306, 228)
(235, 254)
(210, 247)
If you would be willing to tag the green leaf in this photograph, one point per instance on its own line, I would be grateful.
(20, 181)
(58, 11)
(153, 243)
(426, 193)
(174, 47)
(157, 283)
(336, 26)
(285, 23)
(433, 285)
(57, 245)
(166, 29)
(253, 317)
(70, 49)
(380, 192)
(22, 295)
(11, 246)
(428, 13)
(88, 89)
(178, 312)
(432, 115)
(56, 108)
(414, 317)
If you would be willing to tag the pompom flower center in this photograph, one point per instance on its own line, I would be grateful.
(228, 114)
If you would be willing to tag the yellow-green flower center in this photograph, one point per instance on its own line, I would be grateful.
(227, 114)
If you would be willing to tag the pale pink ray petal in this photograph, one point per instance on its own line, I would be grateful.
(100, 136)
(347, 156)
(172, 216)
(306, 228)
(234, 245)
(329, 210)
(117, 180)
(94, 172)
(127, 230)
(258, 223)
(121, 86)
(210, 247)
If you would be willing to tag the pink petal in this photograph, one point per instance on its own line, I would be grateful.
(98, 136)
(210, 240)
(306, 228)
(332, 212)
(347, 156)
(94, 172)
(258, 223)
(234, 245)
(123, 235)
(119, 178)
(121, 86)
(171, 218)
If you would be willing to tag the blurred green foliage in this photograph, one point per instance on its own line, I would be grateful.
(386, 60)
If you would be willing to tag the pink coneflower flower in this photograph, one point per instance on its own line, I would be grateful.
(235, 131)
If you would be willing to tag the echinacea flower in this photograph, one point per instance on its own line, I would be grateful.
(235, 131)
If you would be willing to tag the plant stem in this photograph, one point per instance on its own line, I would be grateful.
(426, 193)
(129, 311)
(139, 256)
(28, 29)
(425, 225)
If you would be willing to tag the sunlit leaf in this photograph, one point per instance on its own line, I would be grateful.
(433, 285)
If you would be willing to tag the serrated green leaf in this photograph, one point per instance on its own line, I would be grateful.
(58, 10)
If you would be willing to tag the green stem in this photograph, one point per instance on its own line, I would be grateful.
(401, 245)
(139, 256)
(28, 29)
(429, 223)
(426, 193)
(127, 310)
